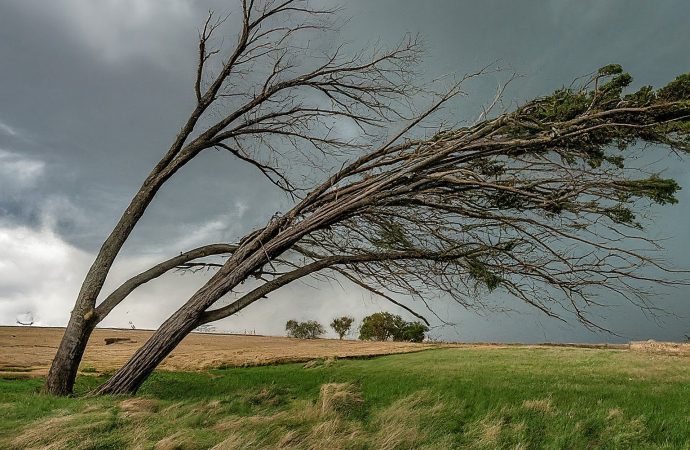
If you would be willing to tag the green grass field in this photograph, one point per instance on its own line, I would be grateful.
(514, 398)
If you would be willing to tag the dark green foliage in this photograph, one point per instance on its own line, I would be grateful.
(378, 326)
(659, 190)
(644, 97)
(585, 107)
(383, 326)
(482, 274)
(342, 325)
(562, 105)
(611, 69)
(310, 329)
(610, 92)
(507, 200)
(678, 89)
(413, 332)
(621, 214)
(391, 236)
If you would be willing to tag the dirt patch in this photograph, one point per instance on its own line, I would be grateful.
(115, 340)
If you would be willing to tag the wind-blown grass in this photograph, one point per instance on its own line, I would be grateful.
(437, 399)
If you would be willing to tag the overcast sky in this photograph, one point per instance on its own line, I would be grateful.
(93, 92)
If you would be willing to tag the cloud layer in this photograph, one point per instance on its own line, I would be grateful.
(93, 93)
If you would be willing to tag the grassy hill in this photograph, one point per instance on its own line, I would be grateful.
(513, 398)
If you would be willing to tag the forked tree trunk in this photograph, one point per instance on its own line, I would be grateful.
(83, 320)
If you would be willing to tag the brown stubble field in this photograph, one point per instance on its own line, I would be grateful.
(29, 350)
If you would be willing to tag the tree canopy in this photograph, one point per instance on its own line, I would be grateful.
(342, 325)
(383, 326)
(309, 329)
(538, 202)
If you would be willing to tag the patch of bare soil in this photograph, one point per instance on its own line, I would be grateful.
(29, 351)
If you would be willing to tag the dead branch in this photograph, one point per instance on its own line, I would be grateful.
(119, 294)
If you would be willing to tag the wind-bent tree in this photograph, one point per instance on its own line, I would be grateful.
(270, 102)
(537, 201)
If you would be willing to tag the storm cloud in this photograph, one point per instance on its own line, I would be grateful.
(92, 93)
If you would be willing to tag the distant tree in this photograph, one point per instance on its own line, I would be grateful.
(342, 325)
(291, 326)
(310, 329)
(413, 332)
(379, 326)
(383, 326)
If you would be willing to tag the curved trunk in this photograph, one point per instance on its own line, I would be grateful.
(130, 377)
(245, 261)
(63, 369)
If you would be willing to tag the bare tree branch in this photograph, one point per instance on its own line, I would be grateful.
(119, 294)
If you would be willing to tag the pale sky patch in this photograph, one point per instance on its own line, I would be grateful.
(118, 30)
(18, 171)
(39, 275)
(8, 130)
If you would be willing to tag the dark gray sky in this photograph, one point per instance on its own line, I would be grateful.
(92, 93)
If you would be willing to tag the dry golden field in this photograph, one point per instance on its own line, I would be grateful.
(30, 350)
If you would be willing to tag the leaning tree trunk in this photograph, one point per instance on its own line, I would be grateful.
(63, 370)
(83, 320)
(130, 377)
